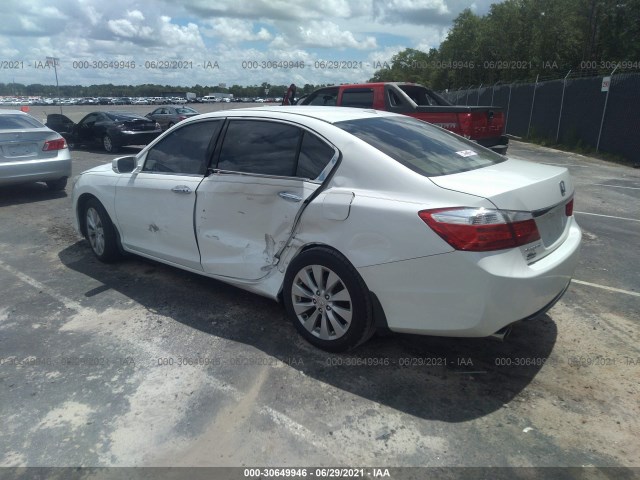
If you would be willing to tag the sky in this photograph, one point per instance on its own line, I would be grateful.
(212, 42)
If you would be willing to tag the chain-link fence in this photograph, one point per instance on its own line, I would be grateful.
(577, 112)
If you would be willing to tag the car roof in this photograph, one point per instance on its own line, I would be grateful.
(291, 112)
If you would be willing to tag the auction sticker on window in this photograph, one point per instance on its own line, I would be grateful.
(466, 153)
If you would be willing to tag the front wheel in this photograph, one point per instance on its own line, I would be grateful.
(100, 232)
(327, 300)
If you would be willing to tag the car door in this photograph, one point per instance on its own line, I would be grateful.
(85, 129)
(155, 206)
(246, 209)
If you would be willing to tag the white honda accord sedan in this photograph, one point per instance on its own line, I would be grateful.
(355, 219)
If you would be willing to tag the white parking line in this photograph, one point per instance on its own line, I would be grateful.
(609, 216)
(604, 287)
(66, 301)
(615, 186)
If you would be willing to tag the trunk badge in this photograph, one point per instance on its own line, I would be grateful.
(563, 189)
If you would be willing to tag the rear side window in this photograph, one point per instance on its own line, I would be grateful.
(254, 146)
(357, 97)
(17, 122)
(423, 148)
(184, 151)
(314, 156)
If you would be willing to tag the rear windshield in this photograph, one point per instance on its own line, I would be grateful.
(18, 122)
(425, 149)
(185, 110)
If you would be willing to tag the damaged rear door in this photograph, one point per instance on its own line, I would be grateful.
(247, 207)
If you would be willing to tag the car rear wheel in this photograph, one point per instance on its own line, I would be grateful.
(57, 185)
(171, 124)
(100, 232)
(327, 300)
(108, 144)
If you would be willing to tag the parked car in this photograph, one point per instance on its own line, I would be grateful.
(483, 124)
(31, 152)
(111, 130)
(355, 219)
(168, 116)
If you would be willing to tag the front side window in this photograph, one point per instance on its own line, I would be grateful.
(184, 151)
(254, 146)
(423, 148)
(324, 97)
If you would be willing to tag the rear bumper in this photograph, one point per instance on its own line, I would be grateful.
(498, 144)
(129, 137)
(466, 294)
(16, 172)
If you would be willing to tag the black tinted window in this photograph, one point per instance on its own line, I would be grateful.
(184, 151)
(255, 146)
(326, 97)
(314, 156)
(421, 147)
(357, 98)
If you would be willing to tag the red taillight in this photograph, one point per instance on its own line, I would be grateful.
(57, 144)
(181, 117)
(481, 229)
(568, 208)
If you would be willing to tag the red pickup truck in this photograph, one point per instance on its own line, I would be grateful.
(484, 125)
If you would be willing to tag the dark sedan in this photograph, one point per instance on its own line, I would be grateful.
(167, 117)
(111, 130)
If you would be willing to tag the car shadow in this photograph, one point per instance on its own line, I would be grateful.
(437, 378)
(28, 193)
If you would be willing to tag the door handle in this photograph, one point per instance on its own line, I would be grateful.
(181, 189)
(290, 197)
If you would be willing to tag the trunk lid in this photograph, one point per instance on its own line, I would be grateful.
(25, 144)
(543, 190)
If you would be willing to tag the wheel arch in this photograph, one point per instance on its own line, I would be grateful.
(81, 204)
(379, 316)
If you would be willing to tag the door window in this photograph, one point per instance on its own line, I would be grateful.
(185, 151)
(314, 156)
(254, 146)
(325, 97)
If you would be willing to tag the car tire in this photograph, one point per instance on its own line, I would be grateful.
(108, 144)
(338, 315)
(170, 125)
(100, 232)
(57, 185)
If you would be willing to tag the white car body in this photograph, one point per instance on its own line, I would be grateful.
(237, 227)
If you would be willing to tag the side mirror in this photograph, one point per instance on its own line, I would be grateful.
(124, 164)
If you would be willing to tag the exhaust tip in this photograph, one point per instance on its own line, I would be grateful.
(502, 334)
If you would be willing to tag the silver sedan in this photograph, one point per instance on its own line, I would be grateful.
(31, 152)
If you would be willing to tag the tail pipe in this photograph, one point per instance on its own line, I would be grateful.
(502, 334)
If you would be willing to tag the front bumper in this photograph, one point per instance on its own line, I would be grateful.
(467, 294)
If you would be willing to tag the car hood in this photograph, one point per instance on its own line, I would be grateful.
(106, 168)
(513, 184)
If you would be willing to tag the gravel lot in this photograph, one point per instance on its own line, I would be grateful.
(140, 364)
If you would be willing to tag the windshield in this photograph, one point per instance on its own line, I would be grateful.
(185, 110)
(424, 148)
